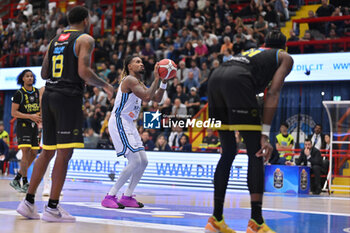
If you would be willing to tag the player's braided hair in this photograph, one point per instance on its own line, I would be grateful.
(125, 71)
(275, 39)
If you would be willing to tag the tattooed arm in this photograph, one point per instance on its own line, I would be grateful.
(83, 49)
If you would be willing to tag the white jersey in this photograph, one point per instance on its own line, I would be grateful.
(121, 127)
(127, 105)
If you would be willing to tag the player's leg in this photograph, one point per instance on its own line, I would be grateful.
(256, 179)
(22, 173)
(218, 109)
(221, 177)
(31, 158)
(137, 175)
(134, 162)
(27, 208)
(128, 200)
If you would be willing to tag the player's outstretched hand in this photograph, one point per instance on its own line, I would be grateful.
(266, 148)
(109, 90)
(155, 71)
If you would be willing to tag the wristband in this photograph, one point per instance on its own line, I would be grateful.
(163, 85)
(266, 130)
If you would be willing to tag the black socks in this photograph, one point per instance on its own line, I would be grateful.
(30, 198)
(256, 212)
(53, 204)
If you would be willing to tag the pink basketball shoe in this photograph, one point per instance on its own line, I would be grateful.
(111, 202)
(130, 202)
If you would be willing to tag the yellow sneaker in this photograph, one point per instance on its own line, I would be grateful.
(254, 227)
(218, 227)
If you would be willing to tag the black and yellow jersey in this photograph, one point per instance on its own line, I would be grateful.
(262, 64)
(63, 64)
(28, 102)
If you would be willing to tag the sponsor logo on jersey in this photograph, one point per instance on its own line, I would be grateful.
(64, 37)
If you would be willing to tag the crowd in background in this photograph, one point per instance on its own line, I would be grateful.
(197, 35)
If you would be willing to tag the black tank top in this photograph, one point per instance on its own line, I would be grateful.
(262, 64)
(63, 65)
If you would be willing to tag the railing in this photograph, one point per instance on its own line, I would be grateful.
(345, 41)
(296, 22)
(8, 59)
(202, 131)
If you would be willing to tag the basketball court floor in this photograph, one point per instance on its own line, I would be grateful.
(173, 210)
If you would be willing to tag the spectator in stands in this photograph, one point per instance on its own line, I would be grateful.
(147, 143)
(314, 26)
(227, 55)
(90, 139)
(161, 144)
(293, 37)
(188, 53)
(134, 36)
(308, 37)
(209, 37)
(195, 70)
(190, 82)
(200, 53)
(184, 144)
(260, 28)
(238, 45)
(44, 47)
(318, 138)
(182, 4)
(104, 71)
(174, 137)
(180, 94)
(281, 7)
(4, 154)
(325, 9)
(179, 15)
(100, 97)
(3, 134)
(327, 141)
(311, 157)
(112, 77)
(251, 39)
(249, 10)
(211, 140)
(284, 143)
(156, 35)
(179, 109)
(193, 102)
(226, 45)
(228, 32)
(218, 28)
(162, 13)
(136, 22)
(182, 72)
(272, 16)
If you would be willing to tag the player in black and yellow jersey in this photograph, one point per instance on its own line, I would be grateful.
(26, 108)
(66, 67)
(232, 92)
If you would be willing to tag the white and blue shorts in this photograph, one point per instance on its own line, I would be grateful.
(124, 135)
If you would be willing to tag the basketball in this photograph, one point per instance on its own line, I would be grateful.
(167, 69)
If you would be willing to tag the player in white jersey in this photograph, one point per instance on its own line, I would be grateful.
(125, 137)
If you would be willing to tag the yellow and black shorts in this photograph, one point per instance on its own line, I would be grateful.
(232, 99)
(27, 135)
(62, 117)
